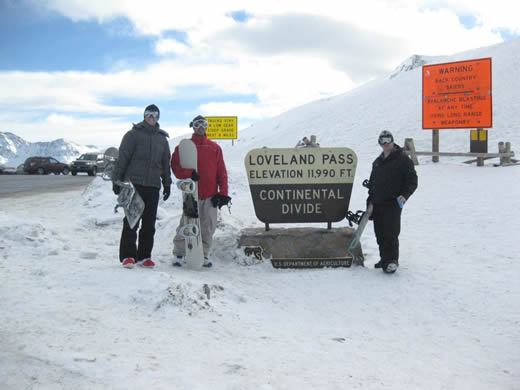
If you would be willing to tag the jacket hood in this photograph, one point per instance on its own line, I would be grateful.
(393, 154)
(144, 126)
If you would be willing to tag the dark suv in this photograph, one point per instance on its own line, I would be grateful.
(45, 165)
(91, 163)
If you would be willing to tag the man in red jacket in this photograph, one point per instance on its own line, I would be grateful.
(212, 179)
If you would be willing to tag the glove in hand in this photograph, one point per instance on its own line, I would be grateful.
(166, 192)
(116, 189)
(195, 176)
(220, 200)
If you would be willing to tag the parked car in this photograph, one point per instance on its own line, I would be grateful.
(7, 170)
(45, 165)
(90, 163)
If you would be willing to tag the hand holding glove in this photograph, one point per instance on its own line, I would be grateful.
(195, 176)
(166, 192)
(116, 189)
(220, 200)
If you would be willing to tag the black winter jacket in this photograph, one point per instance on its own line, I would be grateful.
(391, 177)
(144, 157)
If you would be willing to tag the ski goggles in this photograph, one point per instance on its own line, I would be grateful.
(200, 124)
(385, 139)
(153, 114)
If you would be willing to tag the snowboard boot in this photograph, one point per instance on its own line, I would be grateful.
(128, 262)
(390, 268)
(379, 264)
(177, 262)
(207, 263)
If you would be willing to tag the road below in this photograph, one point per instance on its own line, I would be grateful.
(20, 185)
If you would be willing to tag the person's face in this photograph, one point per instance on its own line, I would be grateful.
(200, 126)
(387, 148)
(199, 131)
(151, 120)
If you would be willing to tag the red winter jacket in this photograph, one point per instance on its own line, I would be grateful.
(210, 167)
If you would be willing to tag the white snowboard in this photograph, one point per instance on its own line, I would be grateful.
(194, 256)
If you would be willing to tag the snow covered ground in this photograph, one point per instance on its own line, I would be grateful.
(449, 318)
(73, 318)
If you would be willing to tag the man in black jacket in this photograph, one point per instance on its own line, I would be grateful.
(392, 181)
(144, 160)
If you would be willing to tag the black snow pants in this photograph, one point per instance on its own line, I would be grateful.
(127, 245)
(387, 226)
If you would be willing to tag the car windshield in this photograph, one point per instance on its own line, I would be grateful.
(87, 157)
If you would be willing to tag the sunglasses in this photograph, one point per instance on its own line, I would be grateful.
(154, 114)
(385, 140)
(200, 124)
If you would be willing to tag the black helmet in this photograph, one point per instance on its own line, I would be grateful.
(385, 137)
(152, 109)
(199, 122)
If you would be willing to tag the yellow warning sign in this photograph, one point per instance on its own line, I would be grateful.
(222, 127)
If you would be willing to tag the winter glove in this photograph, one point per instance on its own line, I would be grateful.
(220, 200)
(116, 189)
(195, 176)
(166, 192)
(371, 218)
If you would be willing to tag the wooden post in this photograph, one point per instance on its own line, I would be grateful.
(409, 145)
(507, 160)
(501, 149)
(435, 144)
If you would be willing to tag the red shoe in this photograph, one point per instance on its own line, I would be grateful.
(146, 263)
(129, 262)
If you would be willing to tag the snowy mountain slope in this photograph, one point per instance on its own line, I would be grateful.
(394, 103)
(14, 150)
(448, 319)
(354, 119)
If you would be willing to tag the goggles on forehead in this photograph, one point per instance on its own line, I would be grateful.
(386, 139)
(200, 124)
(154, 114)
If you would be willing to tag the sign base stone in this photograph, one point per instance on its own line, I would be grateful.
(302, 247)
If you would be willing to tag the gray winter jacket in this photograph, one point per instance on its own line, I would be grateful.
(144, 157)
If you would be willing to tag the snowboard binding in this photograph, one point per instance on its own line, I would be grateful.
(186, 185)
(354, 218)
(189, 230)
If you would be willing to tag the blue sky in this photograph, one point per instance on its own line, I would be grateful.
(84, 70)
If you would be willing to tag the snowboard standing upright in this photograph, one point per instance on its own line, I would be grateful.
(354, 241)
(190, 229)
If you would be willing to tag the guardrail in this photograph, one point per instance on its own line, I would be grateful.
(504, 153)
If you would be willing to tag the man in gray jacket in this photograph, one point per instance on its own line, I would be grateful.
(144, 160)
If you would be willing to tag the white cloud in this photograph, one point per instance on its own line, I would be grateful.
(170, 46)
(242, 110)
(279, 83)
(101, 132)
(203, 18)
(59, 120)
